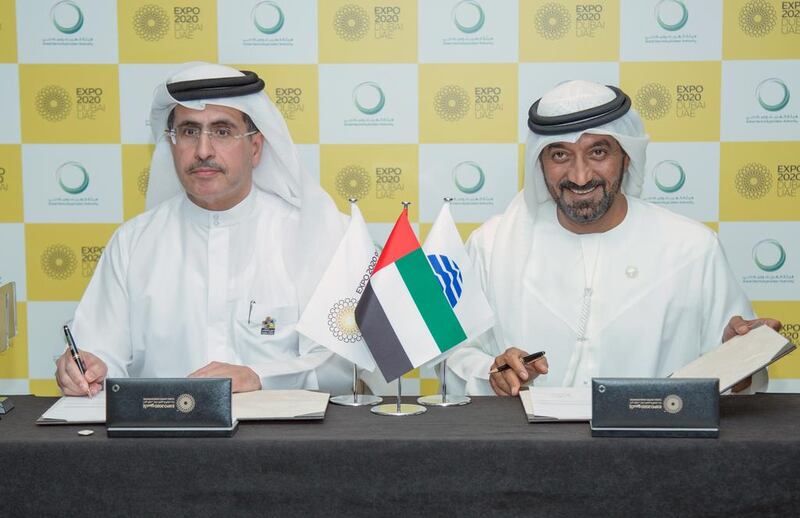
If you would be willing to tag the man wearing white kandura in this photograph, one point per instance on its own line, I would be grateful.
(211, 279)
(607, 284)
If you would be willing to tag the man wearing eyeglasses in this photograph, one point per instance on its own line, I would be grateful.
(210, 280)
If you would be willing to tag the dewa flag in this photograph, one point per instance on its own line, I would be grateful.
(404, 315)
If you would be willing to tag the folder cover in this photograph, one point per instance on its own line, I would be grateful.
(169, 407)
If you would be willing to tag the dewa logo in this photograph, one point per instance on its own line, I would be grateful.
(757, 18)
(653, 101)
(351, 22)
(753, 181)
(669, 176)
(53, 103)
(58, 262)
(451, 103)
(67, 17)
(150, 22)
(267, 17)
(769, 255)
(671, 15)
(468, 177)
(468, 16)
(142, 180)
(368, 98)
(773, 94)
(342, 321)
(352, 181)
(72, 177)
(552, 21)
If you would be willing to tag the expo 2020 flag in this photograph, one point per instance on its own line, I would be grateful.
(406, 313)
(329, 317)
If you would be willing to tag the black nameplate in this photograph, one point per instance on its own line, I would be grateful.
(655, 407)
(169, 407)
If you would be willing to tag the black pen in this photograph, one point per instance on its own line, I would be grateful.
(73, 349)
(525, 359)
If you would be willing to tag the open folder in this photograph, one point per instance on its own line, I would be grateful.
(738, 358)
(557, 404)
(260, 405)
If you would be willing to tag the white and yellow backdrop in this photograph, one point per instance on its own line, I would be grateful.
(392, 100)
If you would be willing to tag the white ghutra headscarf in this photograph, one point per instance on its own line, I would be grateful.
(279, 171)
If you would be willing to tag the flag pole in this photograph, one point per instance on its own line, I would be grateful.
(399, 409)
(355, 399)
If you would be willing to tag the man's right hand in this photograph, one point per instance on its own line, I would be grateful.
(70, 379)
(508, 382)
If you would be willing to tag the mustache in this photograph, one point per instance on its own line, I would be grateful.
(205, 164)
(595, 182)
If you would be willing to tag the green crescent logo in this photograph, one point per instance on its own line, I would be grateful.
(676, 26)
(665, 170)
(365, 88)
(66, 5)
(468, 28)
(267, 29)
(66, 173)
(765, 246)
(768, 84)
(469, 177)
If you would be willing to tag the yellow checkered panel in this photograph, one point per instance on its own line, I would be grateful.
(390, 101)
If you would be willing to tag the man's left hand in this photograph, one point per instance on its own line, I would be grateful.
(739, 326)
(243, 379)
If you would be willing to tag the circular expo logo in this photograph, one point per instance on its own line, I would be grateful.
(352, 181)
(58, 261)
(185, 403)
(773, 94)
(351, 22)
(368, 98)
(669, 176)
(451, 103)
(671, 15)
(757, 18)
(268, 17)
(72, 177)
(552, 21)
(66, 16)
(468, 16)
(653, 101)
(753, 181)
(150, 22)
(142, 180)
(53, 103)
(769, 255)
(468, 177)
(342, 321)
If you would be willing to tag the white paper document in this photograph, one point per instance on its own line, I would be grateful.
(279, 404)
(247, 406)
(76, 410)
(738, 358)
(557, 404)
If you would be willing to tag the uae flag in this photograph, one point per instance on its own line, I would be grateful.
(403, 314)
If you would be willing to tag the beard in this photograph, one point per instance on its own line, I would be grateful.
(586, 211)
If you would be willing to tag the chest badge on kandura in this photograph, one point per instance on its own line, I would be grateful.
(268, 326)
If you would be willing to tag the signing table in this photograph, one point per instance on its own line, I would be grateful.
(483, 458)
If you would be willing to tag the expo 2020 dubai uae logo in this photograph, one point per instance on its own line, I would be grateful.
(53, 103)
(552, 21)
(342, 321)
(451, 103)
(351, 22)
(653, 101)
(757, 18)
(150, 22)
(58, 262)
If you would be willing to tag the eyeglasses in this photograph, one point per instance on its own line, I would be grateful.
(189, 136)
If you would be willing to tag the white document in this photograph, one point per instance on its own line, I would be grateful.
(76, 410)
(279, 404)
(557, 404)
(247, 406)
(738, 358)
